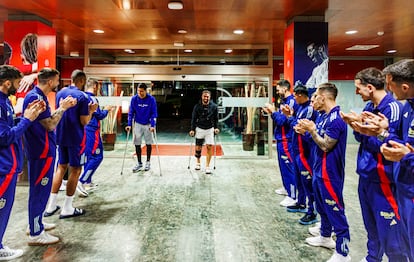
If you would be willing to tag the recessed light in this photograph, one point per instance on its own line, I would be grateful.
(351, 32)
(238, 32)
(182, 31)
(178, 44)
(392, 51)
(129, 51)
(175, 5)
(98, 31)
(228, 51)
(188, 51)
(361, 47)
(126, 5)
(380, 33)
(74, 54)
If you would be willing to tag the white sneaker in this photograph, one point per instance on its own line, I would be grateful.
(90, 187)
(336, 257)
(8, 254)
(81, 190)
(208, 170)
(287, 201)
(281, 191)
(198, 166)
(46, 226)
(63, 185)
(320, 241)
(315, 230)
(42, 239)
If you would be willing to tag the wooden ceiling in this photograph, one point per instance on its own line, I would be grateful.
(211, 22)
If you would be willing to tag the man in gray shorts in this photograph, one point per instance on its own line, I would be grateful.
(143, 111)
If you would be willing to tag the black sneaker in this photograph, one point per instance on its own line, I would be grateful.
(308, 219)
(297, 208)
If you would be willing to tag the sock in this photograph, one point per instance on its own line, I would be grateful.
(51, 205)
(67, 206)
(149, 149)
(138, 152)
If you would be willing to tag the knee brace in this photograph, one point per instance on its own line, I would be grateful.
(198, 153)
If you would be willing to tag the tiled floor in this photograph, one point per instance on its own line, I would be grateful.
(184, 215)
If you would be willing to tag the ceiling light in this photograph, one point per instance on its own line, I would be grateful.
(380, 33)
(238, 32)
(182, 31)
(361, 47)
(129, 51)
(228, 51)
(351, 32)
(188, 50)
(175, 5)
(392, 51)
(98, 31)
(126, 5)
(178, 44)
(74, 54)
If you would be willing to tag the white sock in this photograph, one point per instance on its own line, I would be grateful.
(68, 209)
(51, 205)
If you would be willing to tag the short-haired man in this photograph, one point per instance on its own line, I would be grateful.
(283, 136)
(11, 151)
(71, 138)
(142, 111)
(40, 147)
(204, 121)
(376, 187)
(330, 137)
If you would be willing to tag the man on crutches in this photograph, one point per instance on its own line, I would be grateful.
(143, 111)
(204, 122)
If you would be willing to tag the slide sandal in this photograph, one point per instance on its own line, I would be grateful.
(77, 212)
(48, 214)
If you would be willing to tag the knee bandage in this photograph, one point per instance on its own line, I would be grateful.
(198, 153)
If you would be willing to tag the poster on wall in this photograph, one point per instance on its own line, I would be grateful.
(311, 53)
(29, 46)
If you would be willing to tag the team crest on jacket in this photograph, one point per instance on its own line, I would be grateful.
(97, 151)
(2, 203)
(44, 181)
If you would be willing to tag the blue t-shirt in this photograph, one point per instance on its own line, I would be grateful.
(39, 142)
(331, 165)
(70, 131)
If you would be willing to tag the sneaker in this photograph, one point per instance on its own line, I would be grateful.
(63, 185)
(208, 170)
(137, 168)
(147, 166)
(42, 239)
(336, 257)
(8, 253)
(287, 201)
(296, 208)
(46, 226)
(198, 166)
(316, 230)
(281, 191)
(308, 219)
(90, 186)
(321, 241)
(81, 189)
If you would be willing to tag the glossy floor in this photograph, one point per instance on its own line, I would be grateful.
(184, 215)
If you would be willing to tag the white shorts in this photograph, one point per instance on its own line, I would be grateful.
(206, 134)
(142, 130)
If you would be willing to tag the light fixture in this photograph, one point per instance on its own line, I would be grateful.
(392, 51)
(380, 33)
(74, 54)
(238, 32)
(351, 32)
(228, 51)
(98, 31)
(175, 5)
(188, 50)
(130, 51)
(182, 31)
(361, 47)
(126, 5)
(178, 44)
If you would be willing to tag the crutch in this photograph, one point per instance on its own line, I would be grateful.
(156, 147)
(189, 154)
(126, 146)
(215, 152)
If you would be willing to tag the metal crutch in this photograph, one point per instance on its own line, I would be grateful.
(189, 154)
(126, 146)
(215, 152)
(156, 147)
